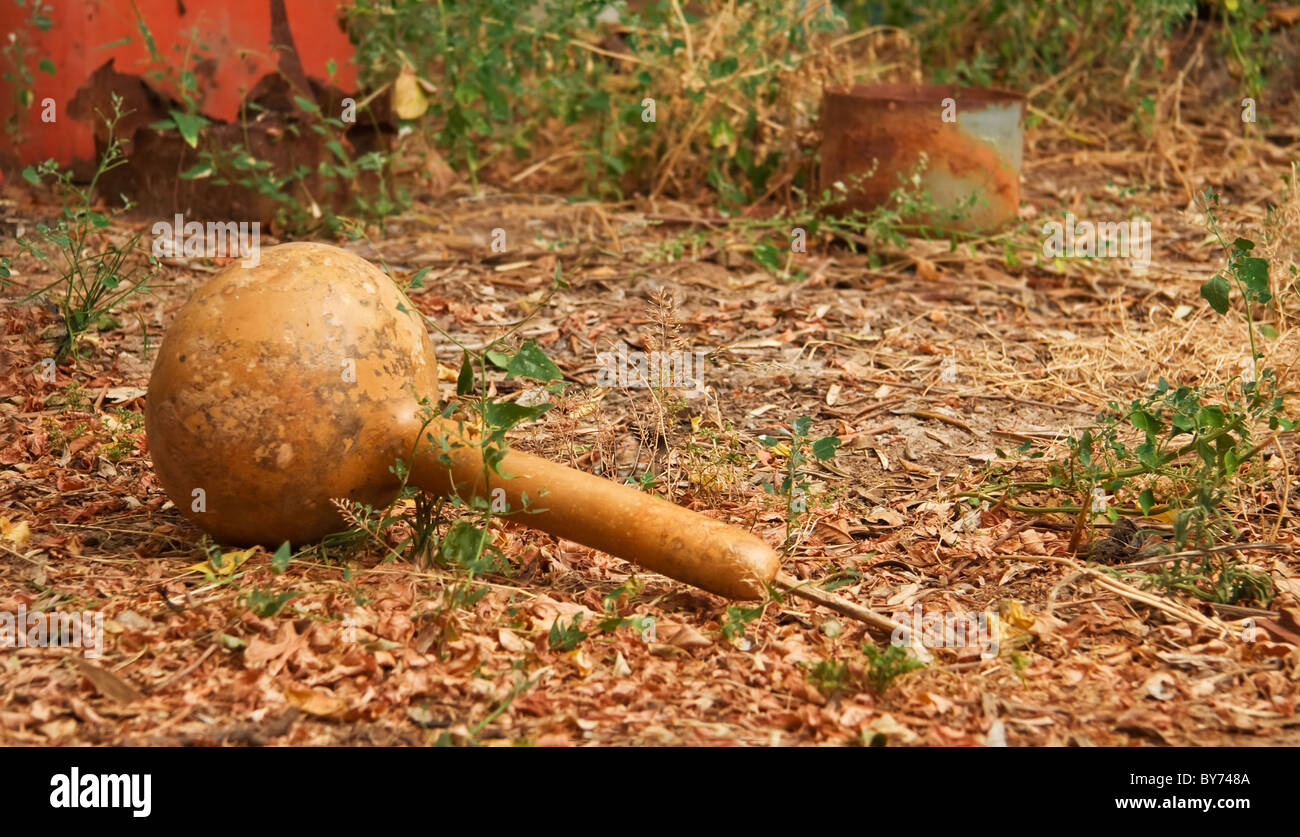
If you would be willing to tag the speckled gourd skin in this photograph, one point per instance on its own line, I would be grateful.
(250, 399)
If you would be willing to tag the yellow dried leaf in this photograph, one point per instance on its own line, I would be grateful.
(409, 101)
(1014, 613)
(581, 661)
(17, 534)
(230, 562)
(530, 301)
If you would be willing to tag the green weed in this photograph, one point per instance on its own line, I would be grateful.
(881, 670)
(1176, 453)
(267, 604)
(884, 667)
(95, 273)
(794, 485)
(563, 637)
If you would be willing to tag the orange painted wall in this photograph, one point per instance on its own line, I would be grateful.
(237, 32)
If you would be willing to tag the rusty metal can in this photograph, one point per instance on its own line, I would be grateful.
(962, 146)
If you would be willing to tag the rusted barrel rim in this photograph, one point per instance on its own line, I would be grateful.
(924, 93)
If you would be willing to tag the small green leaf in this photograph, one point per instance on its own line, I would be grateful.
(198, 171)
(723, 67)
(1145, 422)
(417, 281)
(1254, 273)
(465, 380)
(1215, 292)
(1268, 331)
(768, 257)
(1206, 453)
(1146, 500)
(30, 175)
(721, 133)
(824, 448)
(503, 415)
(1211, 415)
(1146, 453)
(566, 638)
(266, 605)
(189, 125)
(464, 544)
(532, 362)
(280, 560)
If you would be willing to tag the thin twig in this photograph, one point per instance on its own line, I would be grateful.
(178, 675)
(843, 607)
(1192, 553)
